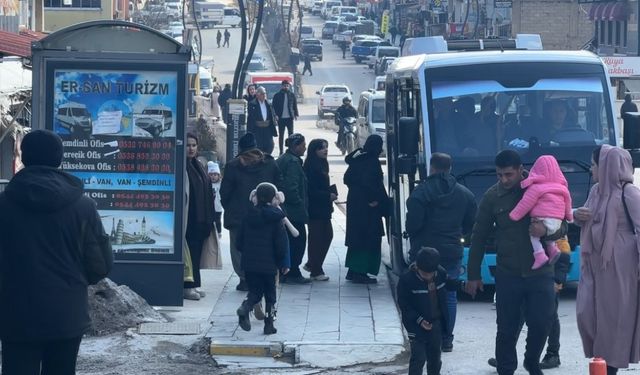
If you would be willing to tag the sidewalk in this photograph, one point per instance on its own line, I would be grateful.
(325, 324)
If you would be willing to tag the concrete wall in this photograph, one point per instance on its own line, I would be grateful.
(56, 19)
(562, 24)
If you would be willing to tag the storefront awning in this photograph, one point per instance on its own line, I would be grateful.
(17, 44)
(610, 11)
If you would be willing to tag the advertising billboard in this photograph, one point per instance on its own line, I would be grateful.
(119, 134)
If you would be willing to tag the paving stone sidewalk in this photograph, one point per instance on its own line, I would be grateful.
(323, 321)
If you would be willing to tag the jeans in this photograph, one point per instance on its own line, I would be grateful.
(57, 357)
(427, 349)
(297, 246)
(514, 295)
(453, 273)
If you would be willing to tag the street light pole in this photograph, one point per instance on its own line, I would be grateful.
(254, 42)
(237, 89)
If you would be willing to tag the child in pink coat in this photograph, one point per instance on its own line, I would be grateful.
(546, 199)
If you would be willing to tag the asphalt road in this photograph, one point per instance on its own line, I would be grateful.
(475, 327)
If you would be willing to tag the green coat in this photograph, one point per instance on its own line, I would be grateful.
(513, 244)
(294, 187)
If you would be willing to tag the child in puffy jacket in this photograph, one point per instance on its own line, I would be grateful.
(546, 199)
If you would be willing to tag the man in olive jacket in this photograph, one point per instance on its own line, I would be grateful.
(296, 204)
(52, 246)
(518, 287)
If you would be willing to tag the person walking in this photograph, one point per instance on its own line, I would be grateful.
(218, 38)
(263, 243)
(261, 122)
(227, 36)
(321, 197)
(394, 32)
(200, 215)
(423, 304)
(216, 111)
(241, 175)
(519, 289)
(367, 205)
(607, 304)
(307, 65)
(296, 205)
(52, 246)
(343, 47)
(213, 169)
(224, 96)
(285, 106)
(440, 212)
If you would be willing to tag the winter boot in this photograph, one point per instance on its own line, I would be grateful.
(553, 252)
(539, 260)
(257, 311)
(269, 329)
(243, 316)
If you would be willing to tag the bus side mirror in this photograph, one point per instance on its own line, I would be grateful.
(631, 136)
(408, 136)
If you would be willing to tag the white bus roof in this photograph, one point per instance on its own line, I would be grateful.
(409, 66)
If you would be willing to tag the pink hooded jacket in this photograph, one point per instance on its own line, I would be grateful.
(547, 194)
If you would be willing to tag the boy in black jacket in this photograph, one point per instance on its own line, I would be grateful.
(422, 297)
(262, 240)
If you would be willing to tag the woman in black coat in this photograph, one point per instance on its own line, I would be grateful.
(321, 197)
(200, 214)
(367, 205)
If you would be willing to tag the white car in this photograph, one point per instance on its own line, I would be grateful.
(331, 98)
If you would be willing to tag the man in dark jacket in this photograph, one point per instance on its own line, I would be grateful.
(285, 106)
(263, 242)
(261, 121)
(52, 246)
(440, 212)
(225, 95)
(241, 176)
(422, 300)
(296, 204)
(344, 111)
(518, 287)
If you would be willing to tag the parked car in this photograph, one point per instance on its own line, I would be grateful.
(331, 98)
(382, 64)
(311, 47)
(317, 8)
(306, 32)
(371, 117)
(344, 36)
(155, 119)
(256, 65)
(362, 49)
(329, 29)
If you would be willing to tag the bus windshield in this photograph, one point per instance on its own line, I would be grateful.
(472, 119)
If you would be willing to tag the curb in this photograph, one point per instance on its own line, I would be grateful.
(248, 349)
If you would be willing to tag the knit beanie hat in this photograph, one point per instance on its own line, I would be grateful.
(428, 259)
(41, 147)
(265, 192)
(247, 142)
(213, 167)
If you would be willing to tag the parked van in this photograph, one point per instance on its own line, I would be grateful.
(206, 82)
(231, 17)
(371, 117)
(271, 81)
(327, 5)
(155, 119)
(74, 117)
(380, 52)
(342, 10)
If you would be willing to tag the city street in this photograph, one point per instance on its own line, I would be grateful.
(475, 327)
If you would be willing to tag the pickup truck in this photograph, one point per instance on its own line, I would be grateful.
(311, 47)
(362, 49)
(331, 98)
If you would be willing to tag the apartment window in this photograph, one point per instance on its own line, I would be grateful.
(610, 33)
(72, 3)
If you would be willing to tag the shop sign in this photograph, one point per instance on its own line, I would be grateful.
(503, 3)
(119, 135)
(622, 66)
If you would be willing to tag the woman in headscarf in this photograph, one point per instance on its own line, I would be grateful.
(367, 205)
(321, 199)
(607, 305)
(200, 214)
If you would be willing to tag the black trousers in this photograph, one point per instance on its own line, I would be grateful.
(307, 68)
(217, 220)
(515, 295)
(320, 237)
(553, 343)
(427, 349)
(282, 124)
(297, 246)
(195, 250)
(261, 285)
(55, 357)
